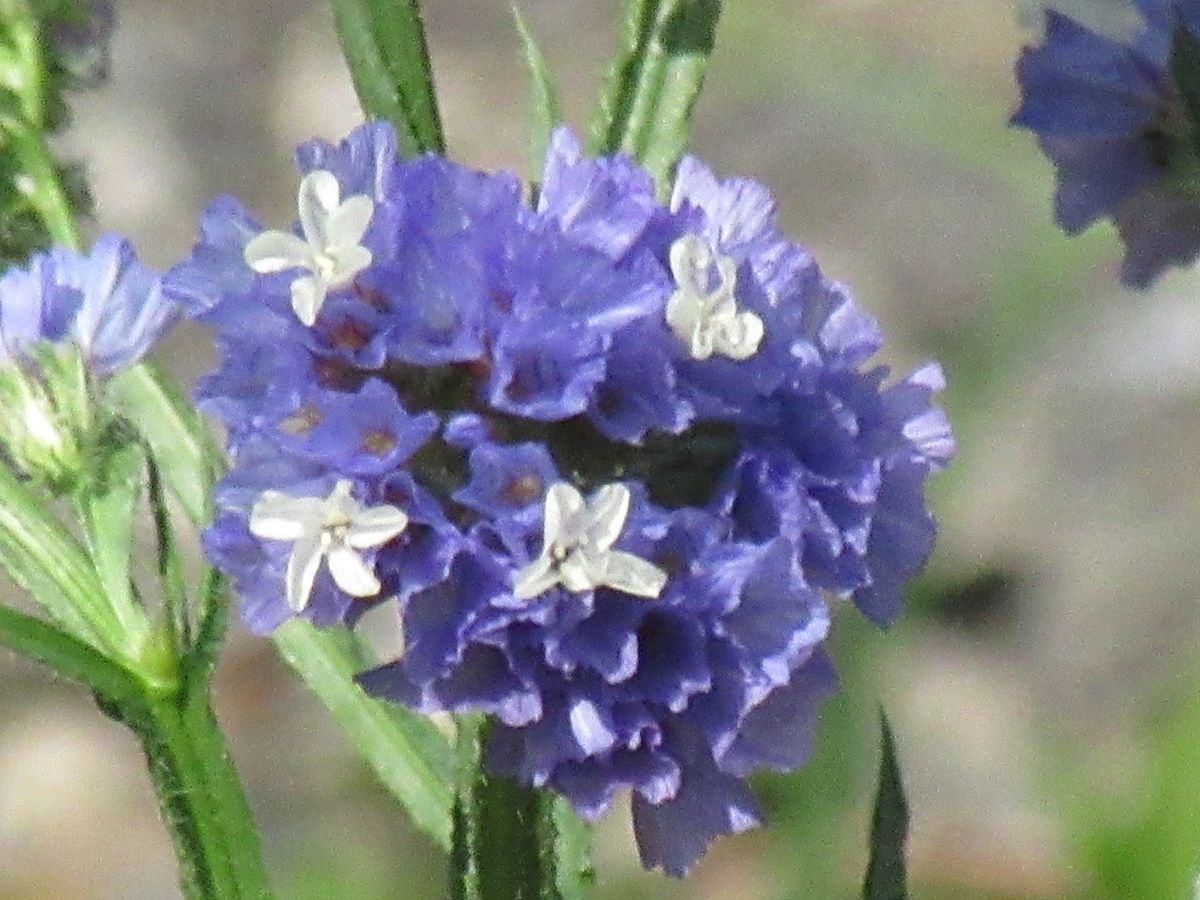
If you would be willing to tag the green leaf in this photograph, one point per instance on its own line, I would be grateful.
(384, 46)
(889, 827)
(106, 507)
(653, 81)
(544, 110)
(46, 561)
(1184, 65)
(68, 656)
(176, 436)
(406, 751)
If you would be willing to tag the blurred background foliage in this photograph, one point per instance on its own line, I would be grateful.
(1043, 683)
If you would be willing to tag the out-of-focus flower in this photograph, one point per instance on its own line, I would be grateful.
(1110, 116)
(632, 443)
(105, 302)
(67, 321)
(79, 33)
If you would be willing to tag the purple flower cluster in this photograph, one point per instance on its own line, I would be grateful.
(1110, 116)
(610, 455)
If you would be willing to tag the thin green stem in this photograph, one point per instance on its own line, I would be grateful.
(201, 798)
(511, 842)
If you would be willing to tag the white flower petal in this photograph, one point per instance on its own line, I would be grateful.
(351, 573)
(722, 297)
(308, 296)
(317, 199)
(577, 573)
(563, 505)
(690, 258)
(276, 251)
(705, 316)
(534, 579)
(349, 222)
(375, 526)
(607, 510)
(278, 517)
(302, 571)
(347, 262)
(739, 337)
(633, 575)
(683, 313)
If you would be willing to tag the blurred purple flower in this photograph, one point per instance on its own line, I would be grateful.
(104, 301)
(1110, 117)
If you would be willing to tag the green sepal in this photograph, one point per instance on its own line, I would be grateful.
(653, 81)
(886, 872)
(544, 113)
(48, 424)
(106, 503)
(48, 563)
(384, 46)
(407, 753)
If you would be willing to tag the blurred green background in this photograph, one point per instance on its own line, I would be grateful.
(1043, 683)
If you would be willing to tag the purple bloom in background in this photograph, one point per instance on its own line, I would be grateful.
(68, 321)
(79, 34)
(1111, 118)
(614, 458)
(105, 301)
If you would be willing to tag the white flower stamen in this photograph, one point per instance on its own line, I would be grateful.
(332, 528)
(577, 539)
(331, 250)
(705, 316)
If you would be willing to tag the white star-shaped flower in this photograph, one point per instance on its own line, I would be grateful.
(707, 318)
(331, 249)
(577, 539)
(333, 528)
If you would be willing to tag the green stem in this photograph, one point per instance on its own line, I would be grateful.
(201, 798)
(45, 190)
(512, 842)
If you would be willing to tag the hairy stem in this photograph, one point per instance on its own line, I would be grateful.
(201, 798)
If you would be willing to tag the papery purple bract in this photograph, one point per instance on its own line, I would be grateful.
(491, 355)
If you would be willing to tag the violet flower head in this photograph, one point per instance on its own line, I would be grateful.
(614, 459)
(1110, 116)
